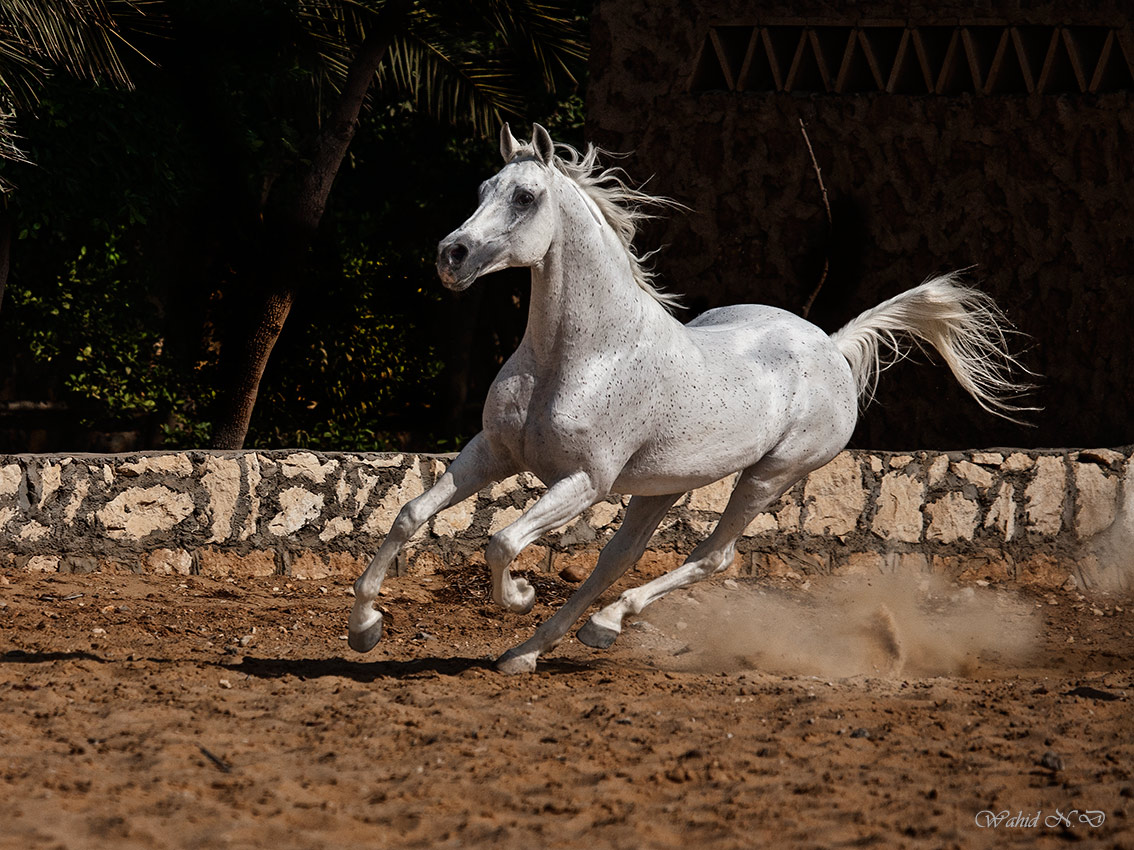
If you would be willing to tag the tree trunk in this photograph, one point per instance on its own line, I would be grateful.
(291, 222)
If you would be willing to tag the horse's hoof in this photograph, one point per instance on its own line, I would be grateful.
(596, 636)
(512, 662)
(367, 638)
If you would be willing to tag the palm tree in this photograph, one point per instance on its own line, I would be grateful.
(461, 60)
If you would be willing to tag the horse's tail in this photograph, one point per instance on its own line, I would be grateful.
(965, 327)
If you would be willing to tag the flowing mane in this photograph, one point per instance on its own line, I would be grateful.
(621, 206)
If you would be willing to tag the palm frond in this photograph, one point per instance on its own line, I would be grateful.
(448, 86)
(21, 74)
(82, 37)
(544, 30)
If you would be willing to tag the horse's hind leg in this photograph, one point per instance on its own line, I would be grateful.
(474, 468)
(759, 486)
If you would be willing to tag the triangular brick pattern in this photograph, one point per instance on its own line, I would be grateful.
(978, 59)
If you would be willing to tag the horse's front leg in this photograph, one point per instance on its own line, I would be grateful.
(564, 500)
(477, 466)
(622, 552)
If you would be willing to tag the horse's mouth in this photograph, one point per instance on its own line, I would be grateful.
(455, 283)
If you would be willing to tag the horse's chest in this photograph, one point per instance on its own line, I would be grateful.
(545, 426)
(506, 410)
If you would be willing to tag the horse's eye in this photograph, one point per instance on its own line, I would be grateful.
(523, 198)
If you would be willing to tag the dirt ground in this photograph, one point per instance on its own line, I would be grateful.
(181, 712)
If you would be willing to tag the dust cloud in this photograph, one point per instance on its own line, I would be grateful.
(885, 626)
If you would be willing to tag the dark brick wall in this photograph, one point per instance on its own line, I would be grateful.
(1035, 189)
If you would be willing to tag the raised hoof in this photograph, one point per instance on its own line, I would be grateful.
(366, 639)
(596, 636)
(511, 662)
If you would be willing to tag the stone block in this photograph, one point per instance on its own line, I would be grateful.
(761, 524)
(951, 518)
(140, 511)
(788, 517)
(502, 518)
(298, 507)
(1045, 495)
(988, 458)
(937, 470)
(385, 461)
(713, 497)
(1018, 462)
(11, 476)
(32, 531)
(79, 492)
(335, 527)
(168, 562)
(176, 464)
(306, 465)
(222, 483)
(223, 563)
(1002, 515)
(1096, 499)
(602, 514)
(514, 484)
(252, 478)
(382, 518)
(42, 564)
(834, 497)
(898, 516)
(972, 473)
(455, 520)
(49, 476)
(317, 565)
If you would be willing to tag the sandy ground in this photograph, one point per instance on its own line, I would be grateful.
(146, 712)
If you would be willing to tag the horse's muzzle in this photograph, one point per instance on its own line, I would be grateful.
(451, 257)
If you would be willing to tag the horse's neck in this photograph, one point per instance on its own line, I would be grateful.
(584, 296)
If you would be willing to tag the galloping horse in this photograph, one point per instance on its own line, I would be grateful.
(609, 393)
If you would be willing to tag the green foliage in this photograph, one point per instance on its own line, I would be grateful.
(354, 373)
(96, 327)
(136, 228)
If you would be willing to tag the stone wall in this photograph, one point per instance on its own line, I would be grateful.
(1044, 517)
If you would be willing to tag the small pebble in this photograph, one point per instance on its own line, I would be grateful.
(1051, 761)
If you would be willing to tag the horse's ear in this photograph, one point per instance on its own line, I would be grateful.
(508, 143)
(544, 147)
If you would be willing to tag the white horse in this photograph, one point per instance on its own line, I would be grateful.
(609, 393)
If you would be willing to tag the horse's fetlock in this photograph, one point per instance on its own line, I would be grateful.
(499, 553)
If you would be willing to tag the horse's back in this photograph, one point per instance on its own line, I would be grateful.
(765, 381)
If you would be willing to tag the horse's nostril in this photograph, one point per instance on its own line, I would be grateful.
(457, 254)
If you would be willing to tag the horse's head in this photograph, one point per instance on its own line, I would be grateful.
(515, 221)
